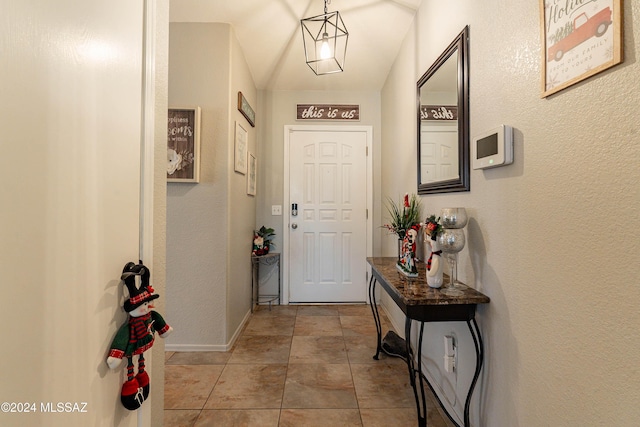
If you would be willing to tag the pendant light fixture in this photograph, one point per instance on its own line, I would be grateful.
(325, 42)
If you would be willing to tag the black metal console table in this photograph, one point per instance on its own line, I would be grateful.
(424, 304)
(272, 258)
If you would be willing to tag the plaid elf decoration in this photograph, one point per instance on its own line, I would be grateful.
(137, 335)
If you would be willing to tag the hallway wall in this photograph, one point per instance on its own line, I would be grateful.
(71, 111)
(197, 214)
(209, 224)
(553, 238)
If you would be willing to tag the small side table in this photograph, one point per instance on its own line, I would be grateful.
(272, 258)
(421, 303)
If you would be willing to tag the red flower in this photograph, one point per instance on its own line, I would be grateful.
(406, 200)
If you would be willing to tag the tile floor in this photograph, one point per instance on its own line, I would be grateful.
(295, 366)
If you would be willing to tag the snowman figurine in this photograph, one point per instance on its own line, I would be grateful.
(137, 335)
(434, 263)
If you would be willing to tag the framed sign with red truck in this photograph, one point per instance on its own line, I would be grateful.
(580, 38)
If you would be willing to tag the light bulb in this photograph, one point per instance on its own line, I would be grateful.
(325, 50)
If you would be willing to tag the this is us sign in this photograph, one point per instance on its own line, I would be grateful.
(439, 112)
(328, 112)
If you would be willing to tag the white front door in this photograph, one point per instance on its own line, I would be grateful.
(328, 236)
(439, 153)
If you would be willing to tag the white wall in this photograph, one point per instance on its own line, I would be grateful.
(71, 114)
(553, 239)
(209, 224)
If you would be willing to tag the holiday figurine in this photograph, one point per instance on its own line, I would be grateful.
(137, 335)
(407, 262)
(434, 263)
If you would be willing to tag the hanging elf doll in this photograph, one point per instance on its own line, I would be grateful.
(137, 335)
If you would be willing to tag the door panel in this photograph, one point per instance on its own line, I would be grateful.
(327, 250)
(439, 154)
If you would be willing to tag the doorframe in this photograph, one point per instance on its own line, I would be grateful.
(148, 143)
(288, 130)
(146, 213)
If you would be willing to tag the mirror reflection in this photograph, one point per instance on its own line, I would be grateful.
(439, 124)
(443, 121)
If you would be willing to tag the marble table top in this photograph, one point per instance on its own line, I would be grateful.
(414, 290)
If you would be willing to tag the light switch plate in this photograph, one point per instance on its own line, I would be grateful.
(276, 209)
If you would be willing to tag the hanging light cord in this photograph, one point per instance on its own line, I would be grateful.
(325, 5)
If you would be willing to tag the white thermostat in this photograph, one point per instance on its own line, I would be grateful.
(493, 148)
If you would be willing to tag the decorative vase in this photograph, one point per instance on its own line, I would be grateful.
(399, 248)
(454, 217)
(452, 241)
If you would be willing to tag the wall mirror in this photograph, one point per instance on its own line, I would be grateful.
(443, 121)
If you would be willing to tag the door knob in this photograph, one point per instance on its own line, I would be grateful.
(294, 225)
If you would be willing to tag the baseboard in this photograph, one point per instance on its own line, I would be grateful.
(195, 347)
(239, 330)
(399, 329)
(211, 347)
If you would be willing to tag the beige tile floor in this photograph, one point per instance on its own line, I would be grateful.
(295, 366)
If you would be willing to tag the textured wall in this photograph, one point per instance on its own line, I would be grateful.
(553, 239)
(242, 207)
(210, 224)
(197, 220)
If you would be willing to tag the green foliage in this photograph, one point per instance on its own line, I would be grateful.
(433, 226)
(403, 215)
(267, 235)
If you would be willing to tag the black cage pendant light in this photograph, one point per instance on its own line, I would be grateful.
(325, 42)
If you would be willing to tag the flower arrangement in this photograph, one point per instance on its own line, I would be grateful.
(433, 226)
(404, 216)
(263, 240)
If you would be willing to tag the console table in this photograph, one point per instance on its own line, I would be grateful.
(424, 304)
(272, 258)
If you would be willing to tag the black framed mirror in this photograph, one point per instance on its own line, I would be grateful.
(443, 121)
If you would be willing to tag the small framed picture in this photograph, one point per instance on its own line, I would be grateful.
(246, 110)
(251, 175)
(579, 40)
(183, 145)
(240, 152)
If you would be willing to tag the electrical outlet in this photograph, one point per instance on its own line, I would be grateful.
(276, 209)
(449, 363)
(449, 353)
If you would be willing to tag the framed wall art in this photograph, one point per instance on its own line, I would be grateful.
(579, 39)
(183, 145)
(246, 110)
(251, 175)
(240, 149)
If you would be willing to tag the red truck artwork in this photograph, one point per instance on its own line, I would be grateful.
(583, 29)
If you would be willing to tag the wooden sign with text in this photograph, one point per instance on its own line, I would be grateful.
(327, 112)
(439, 112)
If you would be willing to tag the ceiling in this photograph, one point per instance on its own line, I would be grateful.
(271, 39)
